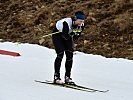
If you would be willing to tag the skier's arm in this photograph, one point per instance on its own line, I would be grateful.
(65, 31)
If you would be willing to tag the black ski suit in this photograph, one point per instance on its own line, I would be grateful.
(63, 43)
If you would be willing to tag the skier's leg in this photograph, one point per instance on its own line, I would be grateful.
(59, 48)
(69, 62)
(57, 63)
(69, 56)
(57, 66)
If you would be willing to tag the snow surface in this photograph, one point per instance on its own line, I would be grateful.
(17, 75)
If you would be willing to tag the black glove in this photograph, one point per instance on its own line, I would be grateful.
(76, 36)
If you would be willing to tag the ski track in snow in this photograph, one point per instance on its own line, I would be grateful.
(17, 75)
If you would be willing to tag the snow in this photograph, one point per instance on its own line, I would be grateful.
(17, 75)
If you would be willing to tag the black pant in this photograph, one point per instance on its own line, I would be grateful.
(63, 46)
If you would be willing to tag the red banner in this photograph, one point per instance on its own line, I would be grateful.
(4, 52)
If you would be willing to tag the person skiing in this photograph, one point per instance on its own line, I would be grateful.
(69, 30)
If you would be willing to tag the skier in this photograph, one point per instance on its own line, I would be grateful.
(69, 30)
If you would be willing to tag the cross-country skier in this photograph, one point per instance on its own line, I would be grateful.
(69, 30)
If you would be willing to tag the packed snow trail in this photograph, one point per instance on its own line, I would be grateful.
(17, 75)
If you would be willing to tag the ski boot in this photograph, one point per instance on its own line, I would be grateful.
(57, 79)
(69, 81)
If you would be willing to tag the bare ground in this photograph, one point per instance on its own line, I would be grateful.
(108, 25)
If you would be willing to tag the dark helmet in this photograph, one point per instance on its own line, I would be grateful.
(79, 15)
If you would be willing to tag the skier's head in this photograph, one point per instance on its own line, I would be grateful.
(79, 17)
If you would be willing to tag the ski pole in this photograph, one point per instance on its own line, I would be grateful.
(50, 34)
(42, 38)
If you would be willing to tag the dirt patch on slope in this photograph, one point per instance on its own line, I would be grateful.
(108, 25)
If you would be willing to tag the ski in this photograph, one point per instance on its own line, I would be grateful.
(74, 86)
(96, 90)
(64, 85)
